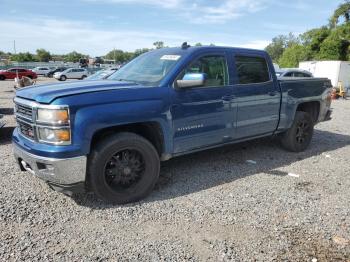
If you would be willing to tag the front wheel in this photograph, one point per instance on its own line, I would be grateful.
(299, 136)
(63, 78)
(123, 168)
(84, 76)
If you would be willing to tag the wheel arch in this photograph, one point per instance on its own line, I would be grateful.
(152, 131)
(311, 107)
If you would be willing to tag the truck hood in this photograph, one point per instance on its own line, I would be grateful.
(49, 92)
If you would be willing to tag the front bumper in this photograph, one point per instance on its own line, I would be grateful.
(57, 172)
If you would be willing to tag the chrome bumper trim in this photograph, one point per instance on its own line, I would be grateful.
(61, 171)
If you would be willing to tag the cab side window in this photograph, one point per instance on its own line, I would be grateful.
(251, 70)
(214, 67)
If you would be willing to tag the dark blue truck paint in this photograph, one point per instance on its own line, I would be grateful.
(186, 120)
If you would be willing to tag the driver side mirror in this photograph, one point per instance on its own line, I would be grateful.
(192, 80)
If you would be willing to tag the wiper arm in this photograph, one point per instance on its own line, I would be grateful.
(126, 80)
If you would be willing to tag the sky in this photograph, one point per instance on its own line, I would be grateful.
(96, 27)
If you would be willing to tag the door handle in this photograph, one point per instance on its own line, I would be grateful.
(272, 93)
(228, 97)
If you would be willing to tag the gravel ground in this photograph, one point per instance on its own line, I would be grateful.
(207, 206)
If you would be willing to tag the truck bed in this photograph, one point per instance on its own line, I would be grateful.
(295, 91)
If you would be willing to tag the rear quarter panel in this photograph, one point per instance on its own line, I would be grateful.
(297, 91)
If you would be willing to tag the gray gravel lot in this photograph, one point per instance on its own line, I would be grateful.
(211, 205)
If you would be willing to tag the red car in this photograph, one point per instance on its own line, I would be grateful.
(12, 73)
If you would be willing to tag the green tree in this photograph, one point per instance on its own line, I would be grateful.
(23, 57)
(119, 56)
(140, 51)
(158, 44)
(43, 55)
(293, 55)
(343, 10)
(314, 38)
(279, 44)
(336, 46)
(198, 44)
(73, 57)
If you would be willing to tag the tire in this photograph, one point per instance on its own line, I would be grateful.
(123, 168)
(84, 76)
(63, 78)
(299, 136)
(2, 78)
(31, 77)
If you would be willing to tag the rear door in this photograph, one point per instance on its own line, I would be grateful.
(257, 95)
(78, 73)
(204, 116)
(22, 72)
(71, 73)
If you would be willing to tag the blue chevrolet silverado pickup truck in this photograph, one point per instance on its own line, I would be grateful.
(109, 136)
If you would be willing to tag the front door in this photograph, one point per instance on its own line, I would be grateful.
(203, 116)
(258, 97)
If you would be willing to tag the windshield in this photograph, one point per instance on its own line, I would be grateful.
(148, 69)
(102, 74)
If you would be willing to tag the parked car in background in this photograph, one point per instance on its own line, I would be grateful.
(41, 70)
(13, 72)
(71, 73)
(55, 70)
(293, 72)
(102, 74)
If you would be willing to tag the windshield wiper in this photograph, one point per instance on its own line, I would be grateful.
(126, 80)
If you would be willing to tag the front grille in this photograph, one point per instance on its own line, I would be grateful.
(26, 129)
(24, 111)
(24, 117)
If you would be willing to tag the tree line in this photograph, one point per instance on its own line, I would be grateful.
(42, 55)
(329, 42)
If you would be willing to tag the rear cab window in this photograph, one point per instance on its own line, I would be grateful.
(251, 69)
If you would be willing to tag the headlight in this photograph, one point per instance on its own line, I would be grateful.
(53, 116)
(54, 136)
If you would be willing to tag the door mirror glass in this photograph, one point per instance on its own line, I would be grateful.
(192, 80)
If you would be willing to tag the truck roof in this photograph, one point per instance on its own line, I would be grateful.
(192, 49)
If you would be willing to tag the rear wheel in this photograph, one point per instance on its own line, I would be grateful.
(299, 136)
(63, 78)
(123, 168)
(84, 76)
(2, 77)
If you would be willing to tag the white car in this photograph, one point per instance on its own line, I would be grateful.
(71, 73)
(292, 72)
(41, 70)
